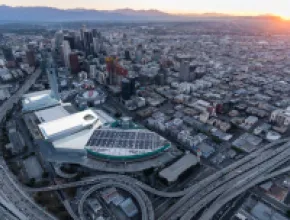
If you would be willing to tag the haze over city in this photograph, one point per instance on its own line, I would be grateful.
(234, 7)
(145, 110)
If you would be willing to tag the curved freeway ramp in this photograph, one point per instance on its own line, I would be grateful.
(142, 199)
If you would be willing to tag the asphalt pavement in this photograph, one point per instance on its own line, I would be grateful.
(15, 98)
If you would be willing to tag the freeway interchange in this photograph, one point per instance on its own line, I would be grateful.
(215, 190)
(22, 206)
(237, 176)
(219, 188)
(15, 98)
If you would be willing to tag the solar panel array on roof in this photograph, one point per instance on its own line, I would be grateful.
(134, 139)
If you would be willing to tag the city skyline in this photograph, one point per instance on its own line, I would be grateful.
(151, 111)
(247, 7)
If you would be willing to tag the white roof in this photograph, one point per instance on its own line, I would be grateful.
(202, 103)
(68, 125)
(51, 114)
(36, 95)
(38, 100)
(76, 141)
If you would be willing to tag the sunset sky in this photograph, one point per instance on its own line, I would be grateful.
(241, 7)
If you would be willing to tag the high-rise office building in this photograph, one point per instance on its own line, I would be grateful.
(8, 54)
(139, 53)
(184, 74)
(126, 89)
(88, 42)
(59, 37)
(132, 80)
(66, 53)
(52, 77)
(74, 63)
(9, 57)
(71, 40)
(93, 72)
(95, 33)
(30, 57)
(82, 31)
(97, 46)
(127, 55)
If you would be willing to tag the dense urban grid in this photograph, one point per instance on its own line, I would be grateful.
(145, 121)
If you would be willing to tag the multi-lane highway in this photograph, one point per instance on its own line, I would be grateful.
(17, 198)
(22, 206)
(204, 187)
(193, 198)
(199, 195)
(262, 165)
(15, 98)
(234, 192)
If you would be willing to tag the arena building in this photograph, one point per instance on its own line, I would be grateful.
(123, 140)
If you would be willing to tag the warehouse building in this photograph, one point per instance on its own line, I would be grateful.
(179, 169)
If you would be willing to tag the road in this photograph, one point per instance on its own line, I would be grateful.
(261, 161)
(187, 193)
(14, 99)
(234, 192)
(222, 180)
(269, 163)
(266, 198)
(18, 198)
(9, 186)
(143, 201)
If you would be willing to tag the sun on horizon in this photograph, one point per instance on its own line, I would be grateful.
(284, 14)
(279, 8)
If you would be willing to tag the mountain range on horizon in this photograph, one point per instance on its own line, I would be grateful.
(49, 14)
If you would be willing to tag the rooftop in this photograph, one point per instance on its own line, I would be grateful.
(51, 114)
(172, 172)
(38, 100)
(262, 211)
(68, 125)
(129, 207)
(116, 143)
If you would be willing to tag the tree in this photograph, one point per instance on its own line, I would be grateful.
(216, 140)
(45, 174)
(31, 182)
(78, 178)
(25, 148)
(118, 115)
(288, 213)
